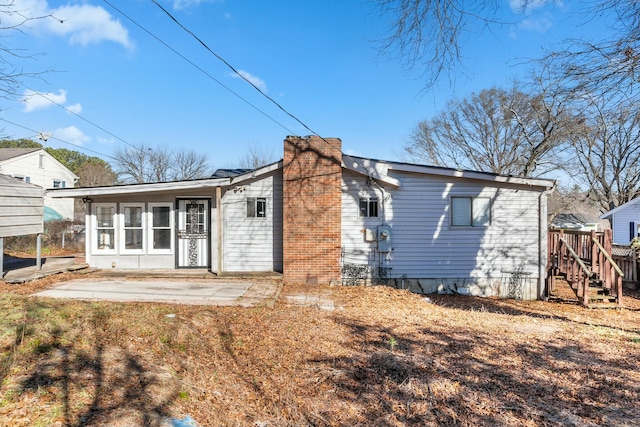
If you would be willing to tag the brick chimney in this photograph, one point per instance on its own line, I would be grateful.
(312, 208)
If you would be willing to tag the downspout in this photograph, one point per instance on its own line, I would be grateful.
(543, 256)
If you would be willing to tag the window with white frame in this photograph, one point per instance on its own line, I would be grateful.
(41, 161)
(132, 227)
(470, 211)
(368, 207)
(161, 225)
(59, 183)
(256, 207)
(105, 226)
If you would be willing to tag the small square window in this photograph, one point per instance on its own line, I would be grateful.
(368, 207)
(256, 207)
(58, 183)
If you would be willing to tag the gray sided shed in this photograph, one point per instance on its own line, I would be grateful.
(21, 211)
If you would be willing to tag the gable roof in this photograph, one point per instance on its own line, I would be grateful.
(10, 153)
(157, 187)
(620, 208)
(376, 169)
(379, 169)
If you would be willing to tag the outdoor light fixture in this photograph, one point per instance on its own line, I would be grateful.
(86, 200)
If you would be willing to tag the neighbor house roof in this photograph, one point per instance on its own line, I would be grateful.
(619, 208)
(10, 153)
(229, 173)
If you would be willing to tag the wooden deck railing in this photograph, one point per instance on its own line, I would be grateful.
(627, 259)
(584, 259)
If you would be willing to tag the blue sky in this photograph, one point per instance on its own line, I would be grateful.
(318, 59)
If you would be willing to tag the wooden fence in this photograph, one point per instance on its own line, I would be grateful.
(627, 259)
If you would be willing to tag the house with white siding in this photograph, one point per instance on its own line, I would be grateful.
(36, 166)
(320, 216)
(625, 221)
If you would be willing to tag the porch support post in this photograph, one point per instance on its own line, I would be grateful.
(219, 225)
(2, 257)
(39, 251)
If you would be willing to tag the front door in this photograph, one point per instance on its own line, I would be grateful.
(193, 233)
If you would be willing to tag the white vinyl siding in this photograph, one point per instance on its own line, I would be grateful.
(622, 220)
(425, 245)
(253, 243)
(28, 165)
(21, 208)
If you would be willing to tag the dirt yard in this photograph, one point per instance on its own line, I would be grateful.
(322, 356)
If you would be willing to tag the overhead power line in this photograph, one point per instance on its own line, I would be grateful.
(35, 132)
(134, 22)
(236, 72)
(82, 118)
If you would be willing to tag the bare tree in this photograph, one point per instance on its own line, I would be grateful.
(607, 152)
(426, 35)
(607, 65)
(256, 157)
(96, 174)
(12, 20)
(132, 163)
(142, 163)
(160, 165)
(190, 165)
(499, 131)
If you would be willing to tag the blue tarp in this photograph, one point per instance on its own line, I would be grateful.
(51, 214)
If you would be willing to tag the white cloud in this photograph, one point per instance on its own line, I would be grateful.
(256, 81)
(75, 108)
(185, 4)
(81, 24)
(37, 101)
(539, 25)
(522, 6)
(72, 135)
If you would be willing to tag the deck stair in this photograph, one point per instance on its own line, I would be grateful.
(582, 260)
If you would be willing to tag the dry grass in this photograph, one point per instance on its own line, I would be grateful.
(383, 357)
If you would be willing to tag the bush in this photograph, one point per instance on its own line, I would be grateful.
(59, 237)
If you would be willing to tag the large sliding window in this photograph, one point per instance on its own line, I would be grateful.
(160, 224)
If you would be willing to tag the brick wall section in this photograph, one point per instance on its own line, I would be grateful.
(312, 209)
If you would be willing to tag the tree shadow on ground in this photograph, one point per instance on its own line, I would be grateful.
(456, 376)
(562, 309)
(92, 384)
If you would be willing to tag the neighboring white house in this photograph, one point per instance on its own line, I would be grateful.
(36, 166)
(319, 215)
(625, 221)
